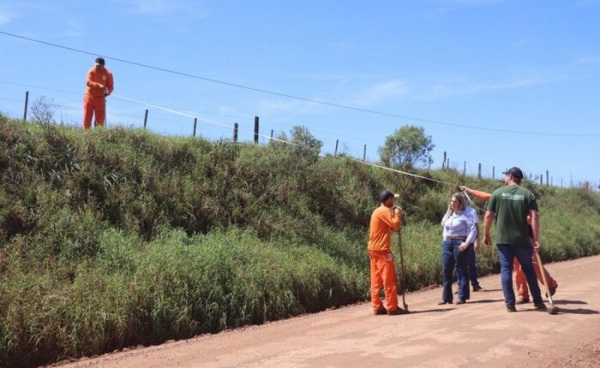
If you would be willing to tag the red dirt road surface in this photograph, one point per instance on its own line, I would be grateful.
(479, 333)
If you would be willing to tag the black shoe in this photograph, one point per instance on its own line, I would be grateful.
(522, 301)
(478, 288)
(379, 312)
(442, 303)
(397, 312)
(511, 309)
(460, 301)
(540, 306)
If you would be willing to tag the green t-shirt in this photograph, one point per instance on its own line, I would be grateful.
(511, 205)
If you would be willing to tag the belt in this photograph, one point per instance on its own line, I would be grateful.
(463, 238)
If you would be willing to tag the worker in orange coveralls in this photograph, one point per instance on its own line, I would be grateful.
(99, 84)
(520, 280)
(384, 220)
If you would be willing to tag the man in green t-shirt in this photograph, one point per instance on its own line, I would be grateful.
(509, 206)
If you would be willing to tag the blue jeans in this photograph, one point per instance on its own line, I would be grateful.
(473, 265)
(523, 252)
(452, 257)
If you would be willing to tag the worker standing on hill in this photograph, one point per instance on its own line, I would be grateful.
(384, 220)
(520, 280)
(509, 207)
(99, 84)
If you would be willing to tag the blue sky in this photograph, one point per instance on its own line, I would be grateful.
(499, 83)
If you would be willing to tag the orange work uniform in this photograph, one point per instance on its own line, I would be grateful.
(99, 84)
(520, 280)
(383, 271)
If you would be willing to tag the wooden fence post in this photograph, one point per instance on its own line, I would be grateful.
(26, 103)
(479, 172)
(365, 153)
(195, 122)
(336, 147)
(235, 132)
(145, 119)
(256, 129)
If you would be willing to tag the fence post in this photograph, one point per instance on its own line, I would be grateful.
(479, 171)
(195, 122)
(26, 103)
(365, 153)
(145, 119)
(493, 172)
(547, 178)
(235, 132)
(336, 147)
(542, 179)
(271, 133)
(464, 168)
(444, 161)
(256, 129)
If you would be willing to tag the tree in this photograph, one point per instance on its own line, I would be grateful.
(304, 142)
(301, 142)
(43, 110)
(407, 147)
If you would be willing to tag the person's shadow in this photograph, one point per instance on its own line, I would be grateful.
(560, 304)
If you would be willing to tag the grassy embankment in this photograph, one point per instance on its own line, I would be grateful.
(117, 237)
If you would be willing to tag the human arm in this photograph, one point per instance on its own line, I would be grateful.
(535, 229)
(487, 226)
(447, 215)
(110, 86)
(484, 196)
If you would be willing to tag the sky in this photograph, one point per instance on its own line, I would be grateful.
(496, 83)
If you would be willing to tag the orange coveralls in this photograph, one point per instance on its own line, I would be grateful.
(94, 101)
(383, 271)
(520, 280)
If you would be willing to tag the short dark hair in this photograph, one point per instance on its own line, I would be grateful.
(515, 173)
(100, 60)
(385, 195)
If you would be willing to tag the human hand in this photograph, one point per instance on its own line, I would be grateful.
(464, 188)
(476, 246)
(487, 240)
(536, 246)
(463, 246)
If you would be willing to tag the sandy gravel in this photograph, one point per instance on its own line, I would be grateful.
(480, 333)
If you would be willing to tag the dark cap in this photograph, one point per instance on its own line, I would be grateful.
(515, 172)
(100, 61)
(385, 195)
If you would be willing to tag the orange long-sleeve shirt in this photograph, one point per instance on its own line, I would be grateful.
(484, 196)
(96, 77)
(382, 224)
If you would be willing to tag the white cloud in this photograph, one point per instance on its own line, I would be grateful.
(378, 92)
(164, 7)
(442, 91)
(7, 14)
(590, 60)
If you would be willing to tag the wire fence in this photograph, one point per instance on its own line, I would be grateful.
(170, 121)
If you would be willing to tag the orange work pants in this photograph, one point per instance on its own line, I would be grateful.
(383, 274)
(522, 289)
(93, 106)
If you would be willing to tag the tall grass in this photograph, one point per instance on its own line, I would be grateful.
(117, 237)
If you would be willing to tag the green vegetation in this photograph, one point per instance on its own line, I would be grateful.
(116, 237)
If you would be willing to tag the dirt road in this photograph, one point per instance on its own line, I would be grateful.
(479, 333)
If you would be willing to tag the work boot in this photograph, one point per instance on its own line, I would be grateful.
(478, 288)
(396, 312)
(540, 306)
(511, 308)
(522, 301)
(379, 312)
